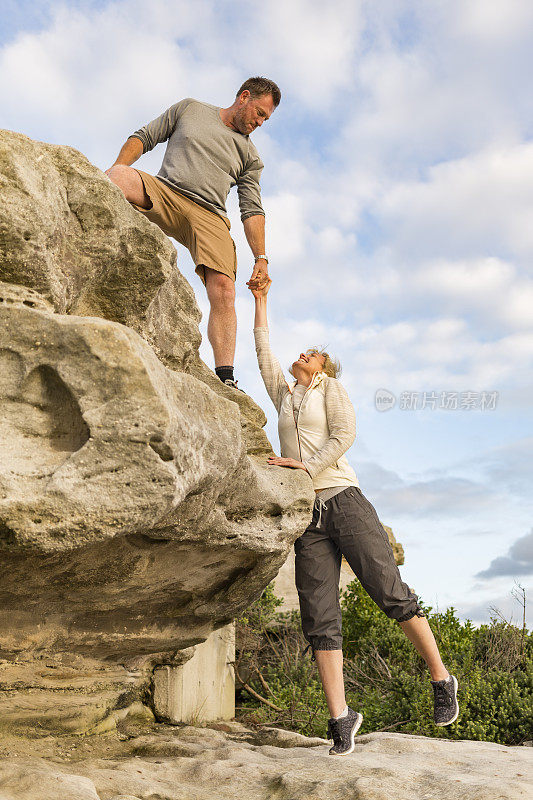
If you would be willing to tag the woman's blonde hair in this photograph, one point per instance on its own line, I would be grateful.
(332, 366)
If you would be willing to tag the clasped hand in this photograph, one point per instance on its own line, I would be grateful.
(260, 279)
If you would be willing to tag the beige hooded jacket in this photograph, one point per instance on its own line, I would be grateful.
(324, 428)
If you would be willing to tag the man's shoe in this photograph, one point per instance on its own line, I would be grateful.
(446, 707)
(343, 731)
(233, 385)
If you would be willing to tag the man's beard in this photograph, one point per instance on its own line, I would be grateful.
(240, 124)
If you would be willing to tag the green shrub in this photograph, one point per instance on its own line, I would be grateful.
(389, 683)
(271, 663)
(385, 677)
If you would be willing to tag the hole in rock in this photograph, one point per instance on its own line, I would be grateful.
(7, 535)
(41, 424)
(159, 446)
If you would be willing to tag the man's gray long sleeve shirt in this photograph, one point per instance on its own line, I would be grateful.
(204, 158)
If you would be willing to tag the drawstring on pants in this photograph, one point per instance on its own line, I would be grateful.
(321, 507)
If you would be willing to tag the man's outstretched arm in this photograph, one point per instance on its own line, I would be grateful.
(254, 229)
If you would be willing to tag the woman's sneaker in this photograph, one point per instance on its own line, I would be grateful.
(343, 731)
(446, 707)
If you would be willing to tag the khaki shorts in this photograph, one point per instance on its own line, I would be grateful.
(205, 235)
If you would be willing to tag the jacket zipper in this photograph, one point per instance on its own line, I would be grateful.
(294, 416)
(297, 432)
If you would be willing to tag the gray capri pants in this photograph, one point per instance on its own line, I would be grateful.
(346, 525)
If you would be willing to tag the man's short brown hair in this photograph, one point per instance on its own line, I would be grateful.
(261, 86)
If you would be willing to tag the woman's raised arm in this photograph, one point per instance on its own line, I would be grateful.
(269, 366)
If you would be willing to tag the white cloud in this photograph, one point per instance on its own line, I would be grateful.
(480, 203)
(448, 497)
(311, 45)
(487, 289)
(508, 467)
(288, 229)
(426, 356)
(433, 83)
(497, 22)
(100, 73)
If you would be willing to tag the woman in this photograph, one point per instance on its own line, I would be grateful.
(316, 427)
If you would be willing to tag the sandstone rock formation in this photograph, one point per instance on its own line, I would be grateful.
(227, 761)
(67, 232)
(137, 511)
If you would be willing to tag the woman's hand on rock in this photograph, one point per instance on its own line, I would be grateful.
(292, 463)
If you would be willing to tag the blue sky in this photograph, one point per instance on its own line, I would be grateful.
(399, 197)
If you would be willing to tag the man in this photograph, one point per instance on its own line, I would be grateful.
(208, 152)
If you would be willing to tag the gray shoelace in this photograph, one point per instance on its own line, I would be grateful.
(443, 695)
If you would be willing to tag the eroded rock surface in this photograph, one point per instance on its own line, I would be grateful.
(191, 763)
(67, 232)
(133, 521)
(137, 510)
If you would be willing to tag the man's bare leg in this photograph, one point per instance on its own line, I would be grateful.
(329, 663)
(129, 180)
(222, 324)
(421, 636)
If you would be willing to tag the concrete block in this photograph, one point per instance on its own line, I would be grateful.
(202, 689)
